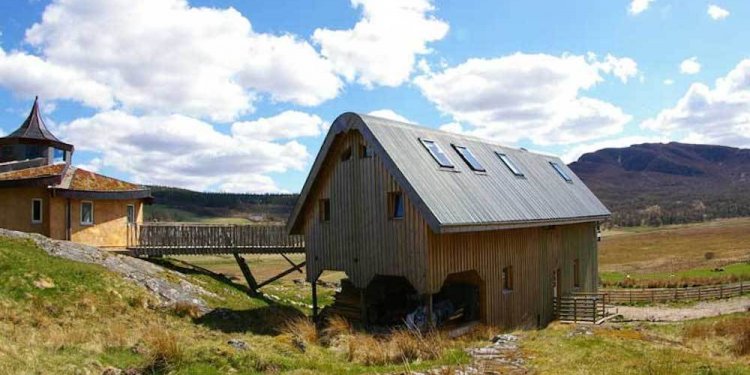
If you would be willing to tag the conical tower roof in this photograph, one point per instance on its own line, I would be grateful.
(34, 131)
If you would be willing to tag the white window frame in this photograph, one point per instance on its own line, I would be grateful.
(127, 214)
(41, 211)
(81, 213)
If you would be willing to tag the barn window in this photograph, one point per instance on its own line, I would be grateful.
(510, 164)
(508, 278)
(561, 171)
(347, 154)
(131, 214)
(576, 273)
(396, 205)
(87, 213)
(36, 211)
(437, 153)
(469, 158)
(324, 208)
(364, 151)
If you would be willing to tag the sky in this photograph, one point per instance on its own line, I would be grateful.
(220, 95)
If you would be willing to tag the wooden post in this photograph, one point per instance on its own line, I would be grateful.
(699, 293)
(246, 272)
(315, 300)
(362, 307)
(721, 291)
(593, 307)
(430, 322)
(740, 287)
(575, 310)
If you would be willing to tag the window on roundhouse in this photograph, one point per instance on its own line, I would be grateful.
(437, 153)
(510, 164)
(395, 205)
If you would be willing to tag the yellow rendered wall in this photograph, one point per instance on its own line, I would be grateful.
(15, 209)
(110, 227)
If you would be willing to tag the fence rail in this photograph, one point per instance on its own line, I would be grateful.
(581, 308)
(697, 293)
(197, 239)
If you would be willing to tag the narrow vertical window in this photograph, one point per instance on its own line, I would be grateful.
(510, 164)
(131, 214)
(347, 154)
(508, 278)
(36, 211)
(396, 205)
(576, 273)
(324, 208)
(87, 213)
(364, 151)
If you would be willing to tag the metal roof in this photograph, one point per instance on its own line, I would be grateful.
(33, 130)
(460, 199)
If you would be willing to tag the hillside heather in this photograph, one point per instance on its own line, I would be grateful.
(657, 184)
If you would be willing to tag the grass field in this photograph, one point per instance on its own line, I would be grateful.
(680, 251)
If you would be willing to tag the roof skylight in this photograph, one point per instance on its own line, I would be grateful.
(437, 153)
(561, 171)
(509, 163)
(469, 158)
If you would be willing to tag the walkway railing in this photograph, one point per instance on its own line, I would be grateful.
(199, 239)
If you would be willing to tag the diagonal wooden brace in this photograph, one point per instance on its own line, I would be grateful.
(295, 267)
(251, 282)
(298, 267)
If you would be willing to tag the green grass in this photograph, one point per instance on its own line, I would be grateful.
(738, 270)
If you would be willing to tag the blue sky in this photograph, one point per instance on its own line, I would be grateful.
(237, 95)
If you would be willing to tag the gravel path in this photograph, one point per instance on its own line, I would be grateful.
(672, 314)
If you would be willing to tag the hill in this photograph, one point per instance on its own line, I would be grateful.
(655, 184)
(174, 204)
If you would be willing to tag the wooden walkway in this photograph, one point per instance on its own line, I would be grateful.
(160, 239)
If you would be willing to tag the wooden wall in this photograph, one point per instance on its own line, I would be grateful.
(533, 253)
(360, 239)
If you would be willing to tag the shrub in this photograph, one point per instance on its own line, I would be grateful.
(163, 350)
(709, 255)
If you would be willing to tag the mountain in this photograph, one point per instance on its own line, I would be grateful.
(657, 183)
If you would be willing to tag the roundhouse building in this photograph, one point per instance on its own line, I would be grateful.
(417, 217)
(41, 192)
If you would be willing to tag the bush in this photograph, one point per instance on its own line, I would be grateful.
(709, 255)
(736, 328)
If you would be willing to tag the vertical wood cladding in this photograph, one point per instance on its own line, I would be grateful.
(362, 240)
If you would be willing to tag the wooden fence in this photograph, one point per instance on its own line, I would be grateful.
(196, 239)
(652, 295)
(581, 308)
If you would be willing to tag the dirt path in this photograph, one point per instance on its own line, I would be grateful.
(673, 314)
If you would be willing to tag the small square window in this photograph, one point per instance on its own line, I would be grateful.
(561, 171)
(324, 210)
(364, 151)
(508, 278)
(131, 214)
(87, 213)
(510, 164)
(396, 205)
(576, 273)
(36, 211)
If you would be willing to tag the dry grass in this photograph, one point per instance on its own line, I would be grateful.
(182, 309)
(399, 347)
(673, 248)
(303, 332)
(681, 282)
(164, 351)
(735, 328)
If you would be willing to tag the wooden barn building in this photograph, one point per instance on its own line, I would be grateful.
(41, 192)
(416, 217)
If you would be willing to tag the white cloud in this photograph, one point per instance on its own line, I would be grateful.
(177, 150)
(538, 97)
(381, 48)
(390, 114)
(163, 57)
(690, 66)
(669, 82)
(716, 12)
(286, 125)
(573, 153)
(718, 115)
(622, 68)
(30, 75)
(638, 6)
